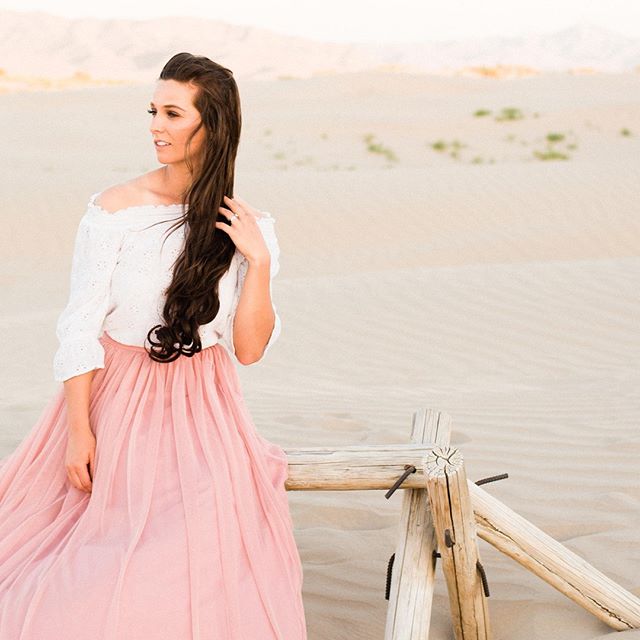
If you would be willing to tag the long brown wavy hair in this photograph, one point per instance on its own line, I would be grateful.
(192, 297)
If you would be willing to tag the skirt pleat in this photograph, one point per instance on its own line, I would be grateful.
(187, 533)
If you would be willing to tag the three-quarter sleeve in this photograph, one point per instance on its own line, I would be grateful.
(266, 223)
(97, 245)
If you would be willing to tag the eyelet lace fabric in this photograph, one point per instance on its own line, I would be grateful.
(119, 275)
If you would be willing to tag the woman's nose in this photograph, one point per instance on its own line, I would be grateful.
(155, 125)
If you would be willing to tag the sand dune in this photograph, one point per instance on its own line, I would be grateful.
(40, 50)
(504, 292)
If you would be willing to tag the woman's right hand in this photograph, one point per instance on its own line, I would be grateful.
(81, 449)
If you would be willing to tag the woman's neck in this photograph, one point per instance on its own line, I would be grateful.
(174, 180)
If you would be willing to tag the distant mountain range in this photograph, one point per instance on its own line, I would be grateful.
(41, 45)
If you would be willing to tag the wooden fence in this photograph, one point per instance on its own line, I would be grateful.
(443, 513)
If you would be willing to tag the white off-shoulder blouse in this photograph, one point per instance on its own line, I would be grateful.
(119, 272)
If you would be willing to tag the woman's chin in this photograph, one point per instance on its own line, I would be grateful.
(164, 160)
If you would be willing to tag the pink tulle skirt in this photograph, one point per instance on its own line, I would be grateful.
(187, 534)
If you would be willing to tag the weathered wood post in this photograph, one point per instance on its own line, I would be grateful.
(455, 527)
(413, 575)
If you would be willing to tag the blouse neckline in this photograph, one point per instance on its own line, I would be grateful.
(136, 212)
(150, 209)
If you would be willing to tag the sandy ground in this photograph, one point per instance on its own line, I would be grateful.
(490, 284)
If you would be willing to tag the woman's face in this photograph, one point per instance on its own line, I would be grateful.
(173, 118)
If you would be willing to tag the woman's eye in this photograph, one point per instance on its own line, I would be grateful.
(169, 113)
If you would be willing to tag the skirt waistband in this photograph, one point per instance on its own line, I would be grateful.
(134, 347)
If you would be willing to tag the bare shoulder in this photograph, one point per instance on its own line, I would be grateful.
(118, 197)
(126, 194)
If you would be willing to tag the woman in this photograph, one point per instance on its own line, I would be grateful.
(143, 503)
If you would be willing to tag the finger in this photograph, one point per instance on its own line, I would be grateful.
(231, 217)
(83, 474)
(248, 207)
(75, 480)
(225, 212)
(234, 205)
(224, 227)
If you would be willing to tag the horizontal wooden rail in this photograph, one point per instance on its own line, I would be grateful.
(355, 467)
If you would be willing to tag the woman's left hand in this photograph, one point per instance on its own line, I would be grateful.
(244, 230)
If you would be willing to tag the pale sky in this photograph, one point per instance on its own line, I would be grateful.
(369, 20)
